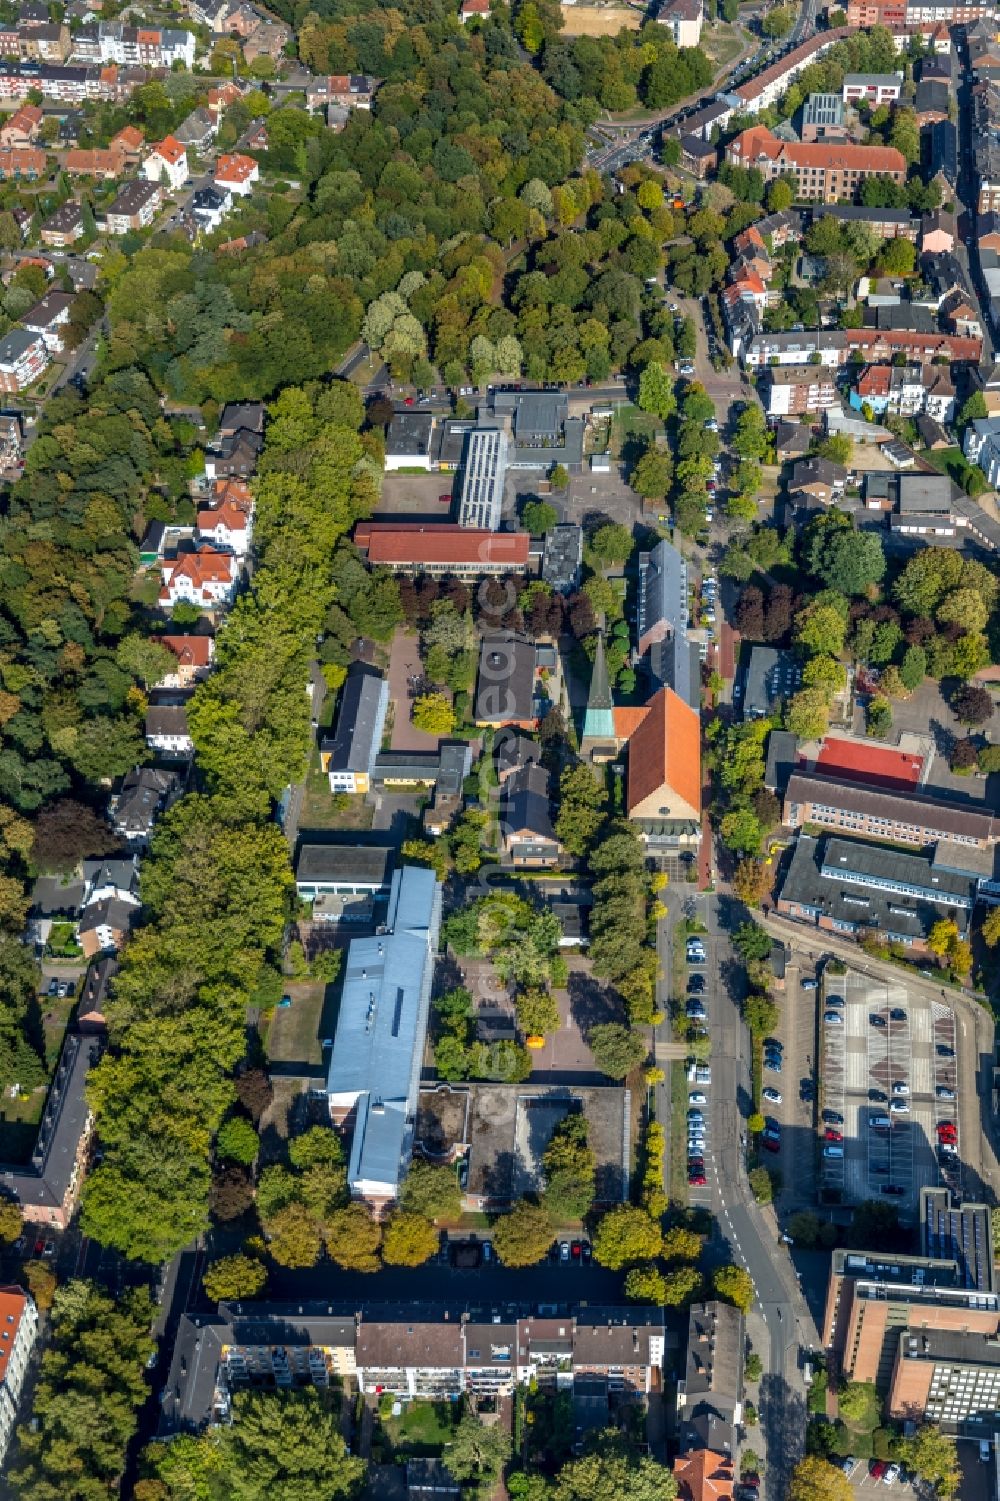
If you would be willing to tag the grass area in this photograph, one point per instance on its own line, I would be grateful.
(321, 809)
(952, 462)
(294, 1034)
(630, 422)
(19, 1118)
(678, 1186)
(421, 1430)
(722, 43)
(145, 588)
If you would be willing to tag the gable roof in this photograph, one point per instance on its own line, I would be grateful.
(664, 761)
(170, 150)
(704, 1476)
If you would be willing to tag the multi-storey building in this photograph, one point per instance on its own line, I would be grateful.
(205, 578)
(828, 171)
(438, 549)
(484, 466)
(18, 1333)
(790, 390)
(766, 88)
(872, 88)
(135, 207)
(23, 358)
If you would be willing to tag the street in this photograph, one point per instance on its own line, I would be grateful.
(780, 1325)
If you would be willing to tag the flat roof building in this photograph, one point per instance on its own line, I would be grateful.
(563, 558)
(439, 548)
(342, 870)
(374, 1075)
(484, 466)
(879, 814)
(772, 676)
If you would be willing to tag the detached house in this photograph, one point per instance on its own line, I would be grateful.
(141, 797)
(50, 318)
(22, 128)
(64, 227)
(167, 731)
(167, 163)
(228, 522)
(135, 207)
(205, 578)
(526, 833)
(236, 173)
(194, 660)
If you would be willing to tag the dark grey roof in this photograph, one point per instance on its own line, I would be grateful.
(958, 1232)
(926, 493)
(924, 814)
(46, 1180)
(456, 763)
(663, 590)
(781, 757)
(17, 343)
(53, 897)
(513, 751)
(94, 995)
(344, 863)
(563, 558)
(166, 719)
(134, 196)
(111, 912)
(908, 317)
(526, 804)
(932, 94)
(355, 742)
(772, 676)
(409, 433)
(139, 798)
(506, 684)
(792, 437)
(853, 213)
(242, 416)
(817, 472)
(677, 662)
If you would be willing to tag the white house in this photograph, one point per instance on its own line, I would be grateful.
(228, 526)
(236, 173)
(167, 162)
(205, 578)
(18, 1333)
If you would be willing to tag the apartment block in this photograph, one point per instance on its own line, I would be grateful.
(766, 88)
(18, 1333)
(791, 390)
(23, 358)
(872, 88)
(829, 171)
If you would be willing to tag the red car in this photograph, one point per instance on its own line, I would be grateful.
(877, 1469)
(408, 402)
(444, 500)
(697, 1180)
(576, 1249)
(946, 1128)
(771, 1145)
(831, 1135)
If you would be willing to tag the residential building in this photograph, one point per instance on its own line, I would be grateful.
(792, 440)
(11, 439)
(473, 10)
(94, 993)
(683, 19)
(48, 44)
(767, 87)
(348, 756)
(872, 88)
(104, 926)
(205, 578)
(236, 173)
(49, 318)
(843, 886)
(64, 227)
(885, 223)
(167, 731)
(505, 688)
(135, 207)
(167, 164)
(710, 1395)
(828, 171)
(46, 1186)
(527, 837)
(939, 393)
(772, 677)
(562, 562)
(877, 814)
(207, 208)
(129, 140)
(21, 128)
(267, 40)
(791, 390)
(374, 1073)
(703, 1475)
(23, 359)
(513, 752)
(438, 549)
(145, 46)
(931, 104)
(95, 162)
(196, 132)
(18, 1333)
(228, 522)
(481, 479)
(663, 781)
(344, 90)
(193, 660)
(821, 479)
(139, 799)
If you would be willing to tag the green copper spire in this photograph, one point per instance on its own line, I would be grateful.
(599, 719)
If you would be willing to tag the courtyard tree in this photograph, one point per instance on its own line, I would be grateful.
(234, 1277)
(626, 1234)
(477, 1453)
(537, 1012)
(237, 1141)
(681, 1286)
(616, 1048)
(352, 1238)
(523, 1235)
(431, 1191)
(570, 1168)
(645, 1284)
(433, 713)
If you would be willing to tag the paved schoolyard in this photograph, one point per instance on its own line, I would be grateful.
(404, 665)
(926, 713)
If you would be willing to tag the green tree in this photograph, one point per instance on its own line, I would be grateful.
(934, 1457)
(780, 196)
(734, 1285)
(294, 1236)
(570, 1168)
(626, 1235)
(652, 474)
(234, 1277)
(431, 1191)
(559, 477)
(11, 1223)
(613, 1470)
(815, 1479)
(656, 391)
(617, 1049)
(284, 1445)
(477, 1454)
(433, 713)
(537, 1012)
(859, 1403)
(523, 1235)
(353, 1238)
(750, 440)
(808, 714)
(538, 517)
(408, 1240)
(681, 1286)
(611, 543)
(582, 800)
(237, 1141)
(645, 1284)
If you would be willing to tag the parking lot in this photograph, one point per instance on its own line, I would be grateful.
(889, 1072)
(867, 1483)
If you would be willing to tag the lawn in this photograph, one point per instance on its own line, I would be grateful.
(722, 43)
(630, 422)
(422, 1429)
(952, 462)
(295, 1035)
(321, 809)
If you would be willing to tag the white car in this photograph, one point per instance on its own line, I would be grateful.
(899, 1088)
(772, 1096)
(900, 1107)
(697, 1098)
(891, 1475)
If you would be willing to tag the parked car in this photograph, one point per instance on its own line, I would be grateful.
(900, 1107)
(833, 1019)
(899, 1088)
(810, 984)
(835, 1000)
(696, 984)
(832, 1134)
(877, 1021)
(891, 1475)
(833, 1149)
(897, 1014)
(564, 1251)
(877, 1468)
(698, 1099)
(833, 1117)
(944, 1093)
(772, 1096)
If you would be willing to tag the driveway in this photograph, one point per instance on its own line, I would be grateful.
(404, 664)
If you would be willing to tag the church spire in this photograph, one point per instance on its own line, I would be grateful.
(599, 719)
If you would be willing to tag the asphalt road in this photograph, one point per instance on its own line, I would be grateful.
(967, 252)
(744, 1234)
